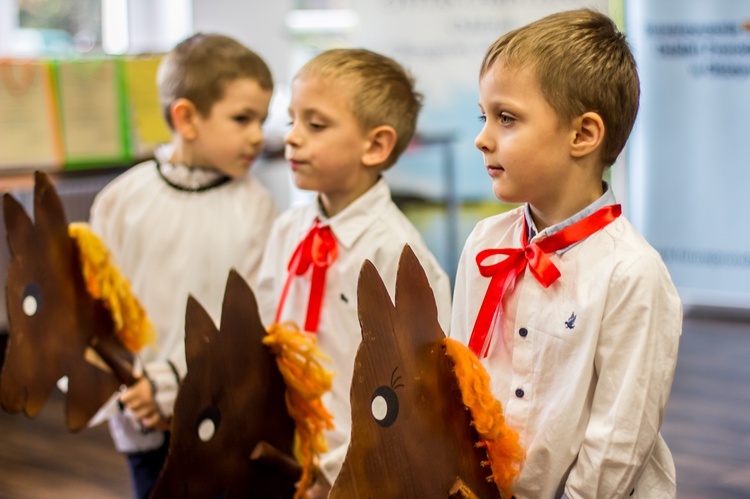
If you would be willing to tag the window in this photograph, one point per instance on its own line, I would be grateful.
(57, 27)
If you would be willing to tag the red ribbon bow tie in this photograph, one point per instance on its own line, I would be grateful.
(504, 273)
(319, 250)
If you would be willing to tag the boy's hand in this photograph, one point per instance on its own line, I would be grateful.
(139, 399)
(319, 489)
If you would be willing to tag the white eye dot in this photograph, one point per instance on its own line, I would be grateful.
(379, 408)
(29, 305)
(206, 430)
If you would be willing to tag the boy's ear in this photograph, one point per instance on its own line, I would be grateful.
(380, 143)
(184, 115)
(588, 134)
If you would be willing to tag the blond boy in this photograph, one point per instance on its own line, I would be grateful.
(353, 112)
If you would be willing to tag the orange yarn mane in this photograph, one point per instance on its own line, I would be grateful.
(105, 282)
(504, 450)
(306, 380)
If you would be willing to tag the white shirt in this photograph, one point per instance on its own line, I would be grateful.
(583, 368)
(371, 228)
(171, 243)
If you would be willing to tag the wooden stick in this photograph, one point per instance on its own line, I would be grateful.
(121, 369)
(461, 491)
(266, 454)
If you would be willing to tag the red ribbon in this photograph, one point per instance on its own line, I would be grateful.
(319, 250)
(504, 273)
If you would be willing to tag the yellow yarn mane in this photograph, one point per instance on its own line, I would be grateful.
(504, 451)
(105, 282)
(306, 381)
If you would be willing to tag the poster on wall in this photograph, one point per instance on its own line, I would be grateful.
(92, 110)
(442, 44)
(148, 123)
(689, 152)
(29, 124)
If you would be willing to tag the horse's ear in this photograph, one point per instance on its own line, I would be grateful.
(415, 301)
(373, 303)
(199, 331)
(49, 214)
(17, 224)
(240, 306)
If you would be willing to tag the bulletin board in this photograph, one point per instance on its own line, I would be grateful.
(688, 155)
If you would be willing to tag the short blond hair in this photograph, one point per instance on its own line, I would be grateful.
(200, 67)
(382, 91)
(583, 63)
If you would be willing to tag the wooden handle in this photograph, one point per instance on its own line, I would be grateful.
(121, 369)
(268, 455)
(461, 491)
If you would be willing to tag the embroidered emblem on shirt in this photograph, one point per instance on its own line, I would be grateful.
(344, 298)
(571, 322)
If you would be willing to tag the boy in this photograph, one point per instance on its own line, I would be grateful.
(574, 315)
(353, 112)
(177, 225)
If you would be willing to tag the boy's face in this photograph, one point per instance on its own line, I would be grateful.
(524, 144)
(230, 138)
(325, 144)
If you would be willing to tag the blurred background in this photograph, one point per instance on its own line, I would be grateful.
(78, 99)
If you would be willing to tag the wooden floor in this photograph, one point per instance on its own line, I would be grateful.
(707, 426)
(40, 459)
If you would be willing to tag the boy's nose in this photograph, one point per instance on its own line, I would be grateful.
(482, 142)
(291, 138)
(255, 136)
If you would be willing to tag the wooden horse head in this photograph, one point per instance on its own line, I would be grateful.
(411, 434)
(231, 400)
(52, 318)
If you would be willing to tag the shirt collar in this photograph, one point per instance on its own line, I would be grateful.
(185, 178)
(606, 199)
(349, 224)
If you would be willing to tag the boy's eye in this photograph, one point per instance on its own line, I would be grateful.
(482, 118)
(506, 120)
(316, 126)
(242, 119)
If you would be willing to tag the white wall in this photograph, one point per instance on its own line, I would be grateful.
(259, 24)
(157, 26)
(8, 21)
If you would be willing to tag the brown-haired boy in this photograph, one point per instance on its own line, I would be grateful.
(177, 225)
(573, 314)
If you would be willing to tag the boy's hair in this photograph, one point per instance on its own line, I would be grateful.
(382, 91)
(200, 67)
(583, 63)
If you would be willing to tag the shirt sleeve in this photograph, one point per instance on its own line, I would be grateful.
(460, 327)
(266, 216)
(264, 283)
(634, 362)
(99, 213)
(165, 377)
(441, 287)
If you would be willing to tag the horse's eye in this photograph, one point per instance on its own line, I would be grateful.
(32, 299)
(384, 406)
(208, 423)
